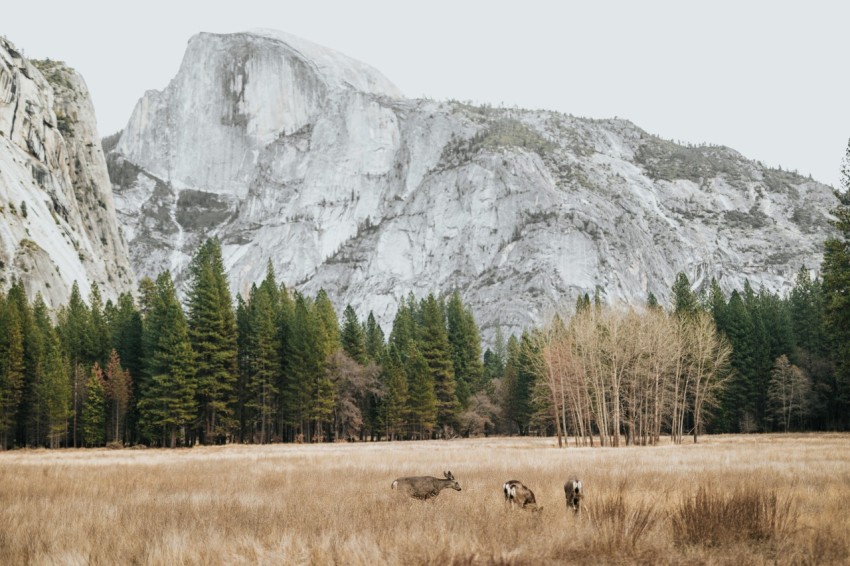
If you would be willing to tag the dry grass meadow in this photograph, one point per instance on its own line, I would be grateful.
(778, 499)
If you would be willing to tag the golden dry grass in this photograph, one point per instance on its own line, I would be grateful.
(326, 504)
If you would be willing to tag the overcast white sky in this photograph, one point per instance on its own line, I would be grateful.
(769, 79)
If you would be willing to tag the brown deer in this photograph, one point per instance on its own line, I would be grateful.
(425, 487)
(573, 491)
(516, 493)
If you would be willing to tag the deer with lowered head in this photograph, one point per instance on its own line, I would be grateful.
(573, 491)
(425, 487)
(516, 493)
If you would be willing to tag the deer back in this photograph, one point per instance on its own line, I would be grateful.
(425, 487)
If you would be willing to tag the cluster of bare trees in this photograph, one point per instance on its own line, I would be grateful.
(615, 371)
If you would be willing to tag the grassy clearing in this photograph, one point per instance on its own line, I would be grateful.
(728, 500)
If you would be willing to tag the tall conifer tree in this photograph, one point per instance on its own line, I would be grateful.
(264, 360)
(329, 341)
(374, 339)
(465, 344)
(167, 405)
(394, 401)
(212, 329)
(435, 348)
(12, 367)
(422, 401)
(55, 390)
(353, 337)
(75, 330)
(100, 340)
(835, 271)
(93, 417)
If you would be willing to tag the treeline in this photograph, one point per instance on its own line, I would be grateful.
(790, 365)
(279, 366)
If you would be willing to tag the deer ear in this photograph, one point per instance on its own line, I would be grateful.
(448, 475)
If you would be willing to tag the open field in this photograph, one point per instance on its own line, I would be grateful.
(325, 504)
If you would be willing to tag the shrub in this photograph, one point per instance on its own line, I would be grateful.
(715, 517)
(619, 525)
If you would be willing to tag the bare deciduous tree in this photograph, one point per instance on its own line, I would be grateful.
(480, 416)
(708, 356)
(789, 391)
(623, 370)
(354, 385)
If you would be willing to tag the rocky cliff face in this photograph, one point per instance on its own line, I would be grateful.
(291, 152)
(58, 217)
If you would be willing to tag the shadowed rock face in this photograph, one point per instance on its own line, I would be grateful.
(292, 152)
(57, 218)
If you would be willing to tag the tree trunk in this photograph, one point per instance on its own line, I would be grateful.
(615, 417)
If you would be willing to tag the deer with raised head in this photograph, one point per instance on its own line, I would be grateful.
(573, 491)
(425, 487)
(516, 493)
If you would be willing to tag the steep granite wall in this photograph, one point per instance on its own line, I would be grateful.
(58, 217)
(291, 152)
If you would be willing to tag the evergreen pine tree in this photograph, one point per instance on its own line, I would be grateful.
(53, 389)
(652, 301)
(329, 341)
(717, 304)
(835, 271)
(465, 344)
(99, 341)
(761, 359)
(244, 343)
(685, 302)
(582, 303)
(286, 318)
(495, 359)
(435, 348)
(212, 330)
(374, 339)
(32, 421)
(404, 330)
(263, 359)
(94, 409)
(304, 363)
(510, 399)
(77, 338)
(353, 337)
(524, 384)
(167, 400)
(12, 366)
(806, 305)
(422, 401)
(395, 398)
(737, 412)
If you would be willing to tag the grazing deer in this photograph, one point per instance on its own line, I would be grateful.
(573, 492)
(425, 487)
(518, 494)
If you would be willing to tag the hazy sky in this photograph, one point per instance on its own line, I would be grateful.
(769, 79)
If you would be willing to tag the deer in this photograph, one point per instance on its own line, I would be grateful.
(516, 493)
(573, 492)
(425, 487)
